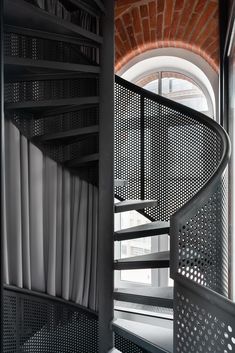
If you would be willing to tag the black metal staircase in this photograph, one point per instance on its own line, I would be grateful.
(52, 67)
(170, 165)
(178, 158)
(53, 87)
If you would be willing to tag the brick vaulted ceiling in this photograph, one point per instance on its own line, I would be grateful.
(142, 25)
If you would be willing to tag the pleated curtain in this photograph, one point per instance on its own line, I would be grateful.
(50, 233)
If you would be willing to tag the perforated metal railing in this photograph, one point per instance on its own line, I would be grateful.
(161, 148)
(179, 157)
(39, 323)
(21, 46)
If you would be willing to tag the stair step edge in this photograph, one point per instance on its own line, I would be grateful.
(134, 205)
(143, 230)
(138, 296)
(151, 338)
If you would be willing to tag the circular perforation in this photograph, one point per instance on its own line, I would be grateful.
(180, 154)
(199, 327)
(36, 325)
(50, 90)
(126, 346)
(203, 243)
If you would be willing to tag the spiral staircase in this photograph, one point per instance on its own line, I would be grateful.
(170, 165)
(174, 164)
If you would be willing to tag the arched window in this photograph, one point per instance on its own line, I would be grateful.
(176, 74)
(177, 87)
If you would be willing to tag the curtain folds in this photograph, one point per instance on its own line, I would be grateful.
(50, 237)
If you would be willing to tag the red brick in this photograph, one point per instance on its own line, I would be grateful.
(120, 29)
(145, 24)
(127, 46)
(179, 4)
(153, 14)
(213, 46)
(131, 37)
(139, 39)
(118, 45)
(120, 10)
(120, 3)
(168, 12)
(160, 6)
(188, 24)
(127, 19)
(207, 43)
(166, 33)
(210, 30)
(153, 35)
(208, 12)
(144, 11)
(186, 13)
(159, 26)
(190, 27)
(200, 5)
(136, 20)
(174, 25)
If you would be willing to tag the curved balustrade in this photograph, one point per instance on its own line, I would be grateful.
(178, 156)
(37, 322)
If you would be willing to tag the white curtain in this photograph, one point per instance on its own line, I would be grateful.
(50, 238)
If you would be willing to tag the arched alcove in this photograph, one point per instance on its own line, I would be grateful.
(180, 61)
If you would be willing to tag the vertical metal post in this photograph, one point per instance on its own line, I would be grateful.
(106, 182)
(142, 147)
(223, 77)
(2, 170)
(160, 83)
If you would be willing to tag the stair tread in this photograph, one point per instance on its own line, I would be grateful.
(94, 157)
(129, 205)
(17, 64)
(69, 133)
(18, 12)
(38, 105)
(154, 339)
(148, 292)
(153, 260)
(143, 230)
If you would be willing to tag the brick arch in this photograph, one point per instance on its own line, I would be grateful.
(151, 24)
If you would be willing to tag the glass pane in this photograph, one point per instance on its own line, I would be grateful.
(150, 82)
(137, 276)
(152, 86)
(136, 247)
(133, 247)
(183, 90)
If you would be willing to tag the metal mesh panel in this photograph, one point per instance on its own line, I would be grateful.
(175, 153)
(201, 326)
(62, 152)
(180, 156)
(34, 324)
(51, 89)
(127, 142)
(31, 125)
(203, 244)
(9, 324)
(126, 346)
(27, 47)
